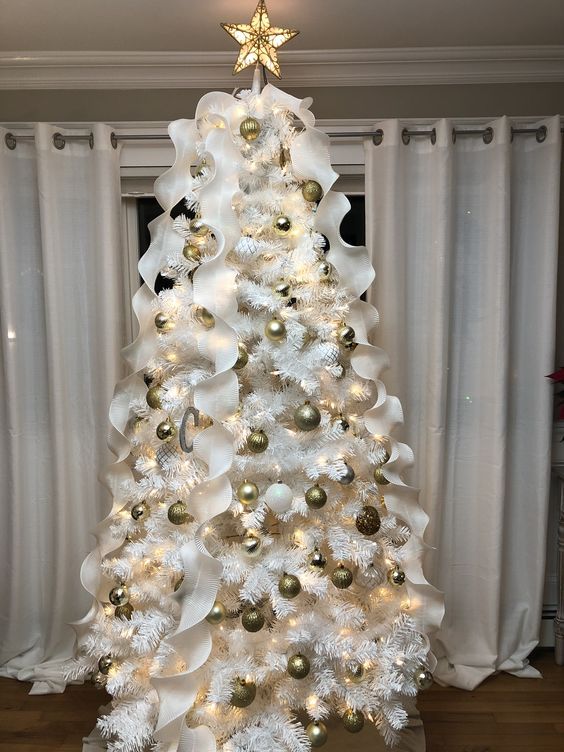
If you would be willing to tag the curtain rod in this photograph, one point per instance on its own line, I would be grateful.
(487, 134)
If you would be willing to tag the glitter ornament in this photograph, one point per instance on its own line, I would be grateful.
(282, 225)
(312, 191)
(242, 357)
(275, 330)
(252, 619)
(124, 612)
(166, 430)
(329, 354)
(248, 492)
(342, 577)
(244, 692)
(396, 577)
(353, 721)
(316, 497)
(153, 397)
(165, 454)
(257, 442)
(250, 129)
(246, 246)
(119, 595)
(198, 228)
(317, 733)
(140, 511)
(104, 664)
(423, 678)
(217, 613)
(178, 513)
(298, 666)
(279, 497)
(347, 477)
(289, 586)
(379, 477)
(251, 544)
(307, 417)
(368, 520)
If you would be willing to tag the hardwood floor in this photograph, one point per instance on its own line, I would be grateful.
(504, 714)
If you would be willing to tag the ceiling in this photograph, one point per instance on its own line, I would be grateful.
(193, 25)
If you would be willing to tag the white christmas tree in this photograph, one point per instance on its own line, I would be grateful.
(260, 570)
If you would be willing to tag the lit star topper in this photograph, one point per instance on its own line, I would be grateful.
(259, 41)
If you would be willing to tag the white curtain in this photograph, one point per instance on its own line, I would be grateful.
(465, 240)
(62, 326)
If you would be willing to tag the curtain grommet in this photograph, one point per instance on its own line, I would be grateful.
(59, 141)
(11, 141)
(488, 135)
(113, 140)
(378, 137)
(541, 134)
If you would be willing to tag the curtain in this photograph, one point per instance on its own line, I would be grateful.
(62, 326)
(465, 237)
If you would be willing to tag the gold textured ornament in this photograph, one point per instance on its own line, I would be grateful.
(205, 317)
(248, 492)
(257, 442)
(355, 673)
(178, 513)
(191, 252)
(275, 330)
(250, 129)
(325, 271)
(353, 721)
(342, 577)
(289, 586)
(317, 560)
(282, 289)
(423, 678)
(242, 357)
(396, 576)
(124, 612)
(140, 511)
(317, 733)
(252, 619)
(259, 41)
(379, 477)
(345, 334)
(119, 595)
(298, 666)
(198, 228)
(153, 397)
(163, 322)
(316, 497)
(99, 680)
(251, 544)
(217, 613)
(282, 225)
(368, 520)
(347, 477)
(307, 417)
(166, 430)
(244, 692)
(104, 664)
(312, 191)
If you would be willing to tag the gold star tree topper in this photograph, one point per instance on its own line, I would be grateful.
(259, 41)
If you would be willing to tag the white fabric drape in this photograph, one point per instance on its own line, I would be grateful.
(62, 326)
(464, 237)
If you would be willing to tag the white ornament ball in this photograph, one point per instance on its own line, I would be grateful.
(330, 353)
(279, 497)
(246, 246)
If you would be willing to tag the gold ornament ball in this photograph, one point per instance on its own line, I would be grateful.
(250, 129)
(244, 692)
(312, 191)
(198, 228)
(247, 492)
(257, 442)
(345, 334)
(396, 577)
(140, 511)
(298, 666)
(368, 520)
(104, 664)
(342, 577)
(205, 317)
(275, 330)
(348, 476)
(282, 225)
(252, 619)
(325, 271)
(178, 583)
(99, 680)
(124, 612)
(119, 595)
(353, 721)
(317, 560)
(153, 397)
(197, 170)
(242, 357)
(163, 323)
(217, 613)
(178, 513)
(379, 477)
(282, 289)
(355, 673)
(191, 252)
(316, 497)
(251, 544)
(289, 586)
(317, 733)
(423, 678)
(307, 417)
(166, 430)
